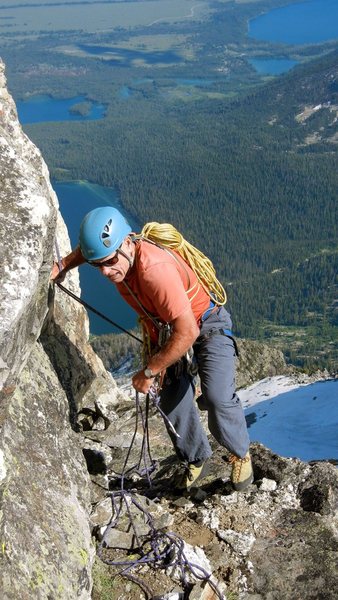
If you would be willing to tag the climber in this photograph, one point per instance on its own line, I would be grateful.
(177, 314)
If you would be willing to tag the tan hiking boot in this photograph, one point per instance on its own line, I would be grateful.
(241, 474)
(193, 473)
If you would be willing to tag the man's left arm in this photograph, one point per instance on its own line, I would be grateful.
(185, 331)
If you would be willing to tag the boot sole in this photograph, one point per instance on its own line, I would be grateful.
(242, 485)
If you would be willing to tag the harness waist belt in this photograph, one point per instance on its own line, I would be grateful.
(226, 332)
(211, 308)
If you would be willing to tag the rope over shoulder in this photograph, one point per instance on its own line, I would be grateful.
(166, 235)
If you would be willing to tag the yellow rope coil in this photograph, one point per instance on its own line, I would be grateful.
(166, 235)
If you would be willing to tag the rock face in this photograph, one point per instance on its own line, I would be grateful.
(47, 550)
(258, 361)
(48, 372)
(278, 540)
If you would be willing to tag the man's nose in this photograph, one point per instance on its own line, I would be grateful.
(105, 270)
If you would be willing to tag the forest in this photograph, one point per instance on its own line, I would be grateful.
(251, 196)
(236, 169)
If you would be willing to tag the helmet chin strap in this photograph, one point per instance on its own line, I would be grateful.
(129, 258)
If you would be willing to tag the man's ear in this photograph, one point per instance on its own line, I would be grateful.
(129, 242)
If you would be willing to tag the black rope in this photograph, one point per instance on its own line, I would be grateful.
(97, 312)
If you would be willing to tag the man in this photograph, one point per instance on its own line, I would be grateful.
(165, 291)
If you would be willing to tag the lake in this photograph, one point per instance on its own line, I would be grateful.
(272, 66)
(42, 108)
(310, 22)
(76, 199)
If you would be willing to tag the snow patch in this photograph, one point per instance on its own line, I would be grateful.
(270, 387)
(293, 419)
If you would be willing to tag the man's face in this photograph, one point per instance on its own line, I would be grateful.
(115, 266)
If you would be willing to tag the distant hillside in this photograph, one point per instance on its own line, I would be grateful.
(293, 123)
(305, 100)
(252, 181)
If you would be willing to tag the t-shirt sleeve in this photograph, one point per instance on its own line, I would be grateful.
(164, 288)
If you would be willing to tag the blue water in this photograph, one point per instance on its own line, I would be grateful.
(76, 198)
(37, 109)
(123, 57)
(272, 66)
(304, 23)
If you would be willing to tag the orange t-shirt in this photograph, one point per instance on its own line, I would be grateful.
(166, 287)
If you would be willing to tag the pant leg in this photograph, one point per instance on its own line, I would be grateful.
(216, 364)
(177, 402)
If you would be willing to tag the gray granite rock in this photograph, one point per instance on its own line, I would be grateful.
(257, 361)
(44, 493)
(28, 215)
(47, 372)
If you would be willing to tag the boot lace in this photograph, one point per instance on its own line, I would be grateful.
(237, 463)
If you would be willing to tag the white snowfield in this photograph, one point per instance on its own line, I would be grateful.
(293, 419)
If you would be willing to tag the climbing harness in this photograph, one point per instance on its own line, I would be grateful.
(164, 331)
(211, 309)
(159, 549)
(219, 331)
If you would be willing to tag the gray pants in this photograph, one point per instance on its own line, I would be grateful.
(215, 356)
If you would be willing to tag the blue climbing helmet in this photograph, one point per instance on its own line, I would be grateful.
(102, 231)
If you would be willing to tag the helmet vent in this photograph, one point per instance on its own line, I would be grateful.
(106, 231)
(108, 226)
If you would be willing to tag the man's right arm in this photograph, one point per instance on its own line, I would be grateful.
(72, 260)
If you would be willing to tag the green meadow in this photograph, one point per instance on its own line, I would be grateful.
(96, 16)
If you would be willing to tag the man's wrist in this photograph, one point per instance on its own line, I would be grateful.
(148, 373)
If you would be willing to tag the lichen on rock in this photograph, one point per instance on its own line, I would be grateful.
(46, 369)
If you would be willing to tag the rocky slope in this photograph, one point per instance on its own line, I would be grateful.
(278, 540)
(65, 433)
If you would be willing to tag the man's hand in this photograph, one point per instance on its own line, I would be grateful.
(72, 260)
(141, 383)
(56, 275)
